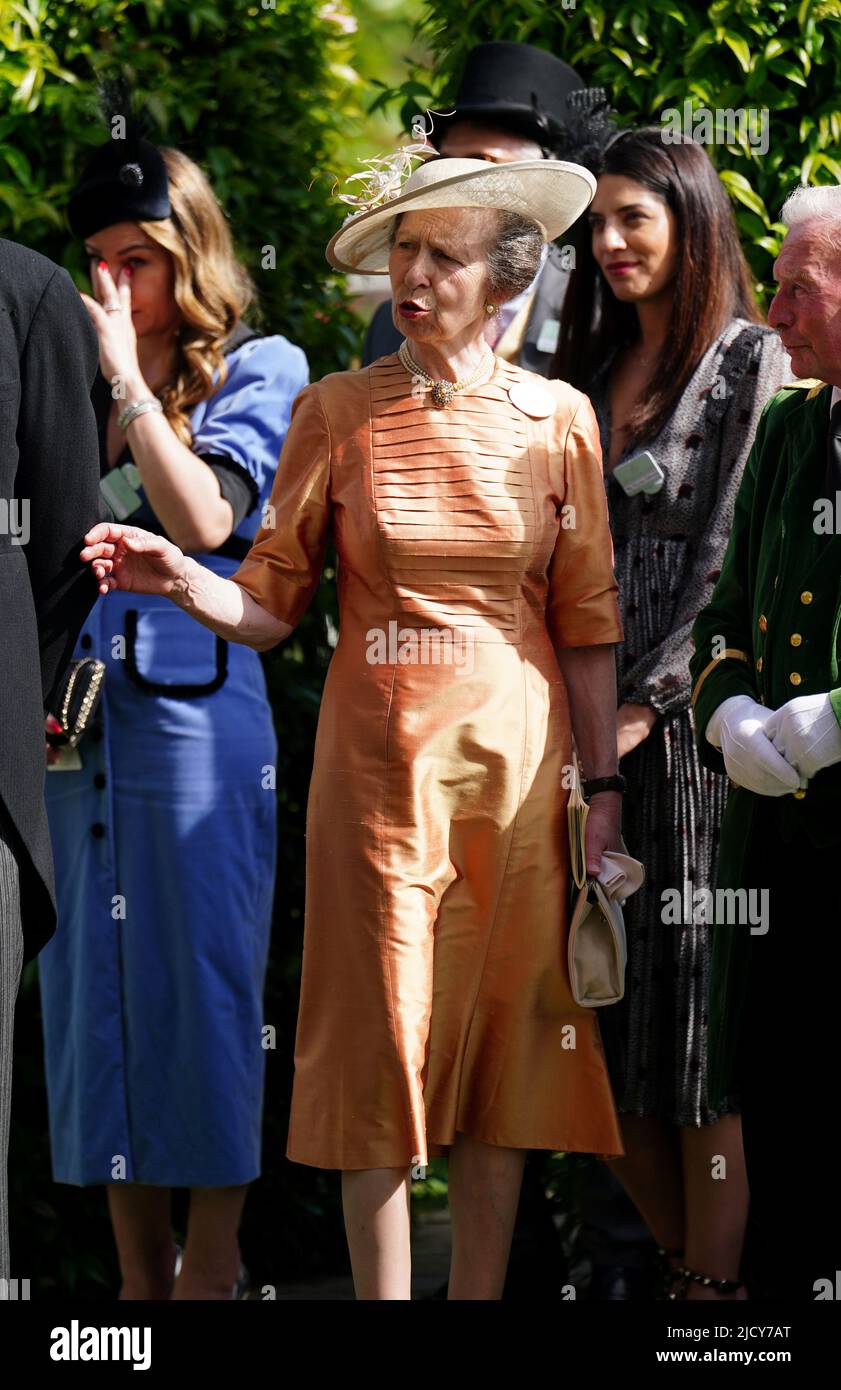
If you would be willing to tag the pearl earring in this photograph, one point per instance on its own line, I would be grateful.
(491, 309)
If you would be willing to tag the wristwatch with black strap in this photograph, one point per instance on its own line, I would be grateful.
(591, 786)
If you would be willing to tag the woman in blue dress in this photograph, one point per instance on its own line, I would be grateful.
(163, 820)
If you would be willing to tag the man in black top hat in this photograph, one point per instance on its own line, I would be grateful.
(514, 102)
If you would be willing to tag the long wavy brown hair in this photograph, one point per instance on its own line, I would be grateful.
(212, 288)
(713, 282)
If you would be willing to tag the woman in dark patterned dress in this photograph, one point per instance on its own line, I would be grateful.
(677, 362)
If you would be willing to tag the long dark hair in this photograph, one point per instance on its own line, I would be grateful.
(713, 280)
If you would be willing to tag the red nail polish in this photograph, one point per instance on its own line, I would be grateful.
(128, 270)
(102, 265)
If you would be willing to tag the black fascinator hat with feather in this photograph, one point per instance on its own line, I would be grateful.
(589, 128)
(125, 180)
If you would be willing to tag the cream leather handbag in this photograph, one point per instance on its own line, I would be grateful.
(597, 949)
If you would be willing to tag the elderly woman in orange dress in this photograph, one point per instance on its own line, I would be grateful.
(478, 622)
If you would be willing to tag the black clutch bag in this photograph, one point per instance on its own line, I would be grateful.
(76, 700)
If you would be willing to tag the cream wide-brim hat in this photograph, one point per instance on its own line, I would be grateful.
(549, 192)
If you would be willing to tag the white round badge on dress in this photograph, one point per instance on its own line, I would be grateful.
(532, 400)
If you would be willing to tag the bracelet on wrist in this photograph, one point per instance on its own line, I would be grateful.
(591, 786)
(137, 408)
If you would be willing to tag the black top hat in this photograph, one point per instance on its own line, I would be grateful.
(519, 87)
(125, 180)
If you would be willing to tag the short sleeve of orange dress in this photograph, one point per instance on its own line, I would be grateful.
(282, 570)
(582, 605)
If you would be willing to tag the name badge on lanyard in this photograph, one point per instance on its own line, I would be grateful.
(68, 760)
(640, 474)
(549, 333)
(121, 488)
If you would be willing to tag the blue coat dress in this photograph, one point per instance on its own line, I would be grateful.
(164, 844)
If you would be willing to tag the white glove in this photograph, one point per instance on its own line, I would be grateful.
(737, 728)
(807, 734)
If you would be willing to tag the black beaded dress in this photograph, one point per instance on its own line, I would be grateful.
(669, 548)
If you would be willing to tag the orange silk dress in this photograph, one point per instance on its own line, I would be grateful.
(435, 996)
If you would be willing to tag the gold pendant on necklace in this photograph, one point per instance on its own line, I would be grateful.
(443, 392)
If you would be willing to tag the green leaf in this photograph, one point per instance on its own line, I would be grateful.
(29, 16)
(674, 13)
(595, 19)
(665, 95)
(790, 71)
(638, 27)
(751, 225)
(807, 167)
(380, 102)
(831, 165)
(703, 41)
(26, 94)
(623, 56)
(739, 46)
(739, 188)
(18, 163)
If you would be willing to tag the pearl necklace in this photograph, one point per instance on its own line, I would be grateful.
(443, 392)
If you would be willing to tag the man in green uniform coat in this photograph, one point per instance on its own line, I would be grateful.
(767, 702)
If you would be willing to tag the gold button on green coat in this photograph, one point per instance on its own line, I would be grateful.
(806, 596)
(759, 664)
(799, 795)
(763, 623)
(795, 678)
(795, 639)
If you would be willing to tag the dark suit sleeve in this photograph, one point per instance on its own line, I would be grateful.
(58, 470)
(382, 337)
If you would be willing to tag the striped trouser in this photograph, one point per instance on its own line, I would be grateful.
(11, 959)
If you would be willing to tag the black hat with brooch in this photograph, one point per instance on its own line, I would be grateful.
(531, 93)
(125, 180)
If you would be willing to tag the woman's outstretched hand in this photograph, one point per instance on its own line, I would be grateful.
(125, 557)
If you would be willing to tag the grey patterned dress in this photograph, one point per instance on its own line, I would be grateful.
(669, 549)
